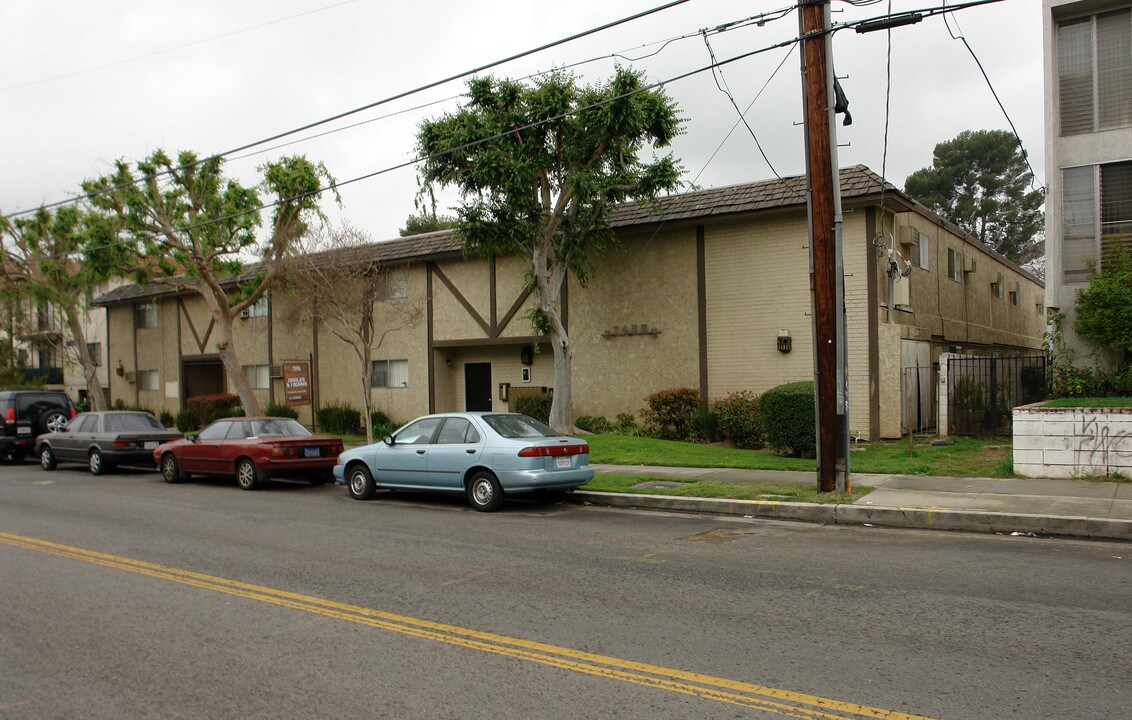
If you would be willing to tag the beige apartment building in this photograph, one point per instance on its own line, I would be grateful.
(713, 293)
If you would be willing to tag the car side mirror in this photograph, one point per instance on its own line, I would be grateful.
(388, 439)
(194, 438)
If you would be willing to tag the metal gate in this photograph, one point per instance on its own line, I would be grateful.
(982, 391)
(918, 399)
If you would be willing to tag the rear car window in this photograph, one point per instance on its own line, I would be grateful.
(284, 427)
(126, 423)
(518, 426)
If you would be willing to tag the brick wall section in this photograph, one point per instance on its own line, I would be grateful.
(1072, 442)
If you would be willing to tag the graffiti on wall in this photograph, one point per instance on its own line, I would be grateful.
(1099, 446)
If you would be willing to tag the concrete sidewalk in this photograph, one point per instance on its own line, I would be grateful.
(1075, 508)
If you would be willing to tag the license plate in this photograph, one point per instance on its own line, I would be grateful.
(24, 431)
(311, 452)
(562, 462)
(150, 444)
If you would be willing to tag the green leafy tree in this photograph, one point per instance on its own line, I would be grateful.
(51, 259)
(192, 229)
(1104, 308)
(425, 221)
(980, 181)
(540, 169)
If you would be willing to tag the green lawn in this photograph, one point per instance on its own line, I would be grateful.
(968, 457)
(715, 489)
(1091, 402)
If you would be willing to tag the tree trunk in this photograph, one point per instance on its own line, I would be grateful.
(560, 418)
(232, 365)
(367, 395)
(94, 392)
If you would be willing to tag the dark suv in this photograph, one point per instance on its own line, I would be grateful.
(28, 413)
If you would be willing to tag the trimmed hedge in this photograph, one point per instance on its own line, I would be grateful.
(537, 405)
(277, 410)
(594, 424)
(788, 415)
(203, 409)
(339, 419)
(740, 420)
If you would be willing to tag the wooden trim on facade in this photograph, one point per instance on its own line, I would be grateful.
(701, 311)
(872, 304)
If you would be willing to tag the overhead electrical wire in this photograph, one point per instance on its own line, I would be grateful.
(391, 98)
(163, 51)
(957, 34)
(481, 141)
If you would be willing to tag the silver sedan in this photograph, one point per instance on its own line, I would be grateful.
(484, 456)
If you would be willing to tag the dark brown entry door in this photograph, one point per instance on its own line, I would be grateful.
(203, 377)
(477, 387)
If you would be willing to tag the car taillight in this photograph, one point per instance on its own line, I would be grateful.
(10, 415)
(73, 412)
(284, 451)
(554, 450)
(124, 443)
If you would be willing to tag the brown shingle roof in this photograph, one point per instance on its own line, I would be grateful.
(857, 183)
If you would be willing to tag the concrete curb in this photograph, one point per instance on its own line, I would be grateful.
(893, 517)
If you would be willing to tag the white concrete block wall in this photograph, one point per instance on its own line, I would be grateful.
(1072, 442)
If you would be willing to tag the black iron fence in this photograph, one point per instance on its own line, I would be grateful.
(982, 390)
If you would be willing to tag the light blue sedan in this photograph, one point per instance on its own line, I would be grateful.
(479, 454)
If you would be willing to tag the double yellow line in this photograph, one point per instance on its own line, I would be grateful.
(767, 699)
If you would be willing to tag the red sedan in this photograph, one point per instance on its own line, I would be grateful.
(253, 449)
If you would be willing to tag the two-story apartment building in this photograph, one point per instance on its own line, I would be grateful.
(1088, 86)
(699, 296)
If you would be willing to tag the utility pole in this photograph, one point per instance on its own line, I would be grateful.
(827, 275)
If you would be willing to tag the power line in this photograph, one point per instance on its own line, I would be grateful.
(175, 47)
(383, 101)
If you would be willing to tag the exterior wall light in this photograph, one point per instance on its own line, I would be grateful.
(784, 341)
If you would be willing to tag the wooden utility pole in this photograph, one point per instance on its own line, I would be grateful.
(826, 267)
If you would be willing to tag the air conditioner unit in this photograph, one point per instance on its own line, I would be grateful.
(130, 376)
(969, 264)
(911, 236)
(245, 313)
(276, 371)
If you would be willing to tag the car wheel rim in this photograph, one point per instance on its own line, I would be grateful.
(482, 492)
(246, 474)
(95, 462)
(357, 483)
(45, 459)
(167, 468)
(56, 423)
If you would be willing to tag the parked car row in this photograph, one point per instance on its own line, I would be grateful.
(483, 456)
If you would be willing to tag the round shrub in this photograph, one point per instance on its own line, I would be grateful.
(167, 419)
(788, 416)
(740, 420)
(673, 414)
(594, 424)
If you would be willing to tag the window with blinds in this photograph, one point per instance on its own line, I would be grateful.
(1096, 210)
(1094, 69)
(1116, 207)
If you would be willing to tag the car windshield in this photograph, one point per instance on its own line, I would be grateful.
(519, 426)
(126, 423)
(278, 427)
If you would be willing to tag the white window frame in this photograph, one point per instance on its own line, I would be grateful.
(389, 374)
(259, 376)
(394, 285)
(955, 265)
(1094, 72)
(149, 380)
(145, 316)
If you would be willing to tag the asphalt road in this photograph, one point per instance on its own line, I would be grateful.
(124, 597)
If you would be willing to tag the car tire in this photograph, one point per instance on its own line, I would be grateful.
(52, 421)
(171, 469)
(484, 492)
(96, 462)
(47, 459)
(247, 476)
(360, 482)
(18, 456)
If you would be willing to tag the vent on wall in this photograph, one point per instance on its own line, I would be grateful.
(130, 376)
(276, 371)
(969, 264)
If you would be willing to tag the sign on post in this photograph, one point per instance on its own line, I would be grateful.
(297, 383)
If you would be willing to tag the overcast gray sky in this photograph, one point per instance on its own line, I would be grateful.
(83, 82)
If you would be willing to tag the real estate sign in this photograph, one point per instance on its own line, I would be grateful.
(297, 383)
